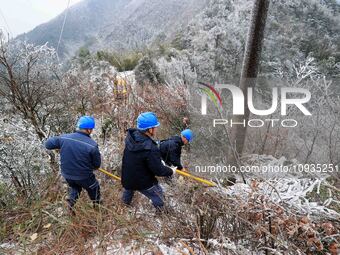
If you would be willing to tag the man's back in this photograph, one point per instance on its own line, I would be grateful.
(171, 150)
(141, 162)
(79, 154)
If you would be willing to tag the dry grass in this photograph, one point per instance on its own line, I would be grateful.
(198, 215)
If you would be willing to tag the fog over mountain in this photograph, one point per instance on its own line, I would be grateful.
(115, 24)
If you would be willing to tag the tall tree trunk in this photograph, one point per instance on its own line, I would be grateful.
(250, 67)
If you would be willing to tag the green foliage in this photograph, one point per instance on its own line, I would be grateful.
(84, 52)
(6, 196)
(147, 72)
(123, 62)
(165, 50)
(178, 42)
(83, 55)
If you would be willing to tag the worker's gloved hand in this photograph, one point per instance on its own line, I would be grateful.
(173, 170)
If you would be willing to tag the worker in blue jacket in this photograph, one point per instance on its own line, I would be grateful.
(79, 157)
(171, 149)
(142, 162)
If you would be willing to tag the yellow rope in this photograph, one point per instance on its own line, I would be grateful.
(186, 174)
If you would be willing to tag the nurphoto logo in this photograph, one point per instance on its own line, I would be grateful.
(284, 94)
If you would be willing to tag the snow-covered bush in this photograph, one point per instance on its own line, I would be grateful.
(24, 165)
(176, 69)
(30, 82)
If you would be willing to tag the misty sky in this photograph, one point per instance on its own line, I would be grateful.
(23, 15)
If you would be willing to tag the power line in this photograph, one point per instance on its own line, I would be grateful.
(62, 28)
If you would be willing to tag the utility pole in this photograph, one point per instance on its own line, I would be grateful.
(250, 67)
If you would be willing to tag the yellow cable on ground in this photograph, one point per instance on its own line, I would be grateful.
(186, 174)
(109, 174)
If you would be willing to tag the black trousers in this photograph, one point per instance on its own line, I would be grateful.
(91, 185)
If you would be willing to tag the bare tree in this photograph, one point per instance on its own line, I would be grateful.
(29, 81)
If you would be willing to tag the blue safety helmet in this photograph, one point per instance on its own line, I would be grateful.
(188, 134)
(147, 120)
(86, 122)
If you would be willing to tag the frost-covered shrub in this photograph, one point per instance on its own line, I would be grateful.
(176, 69)
(24, 166)
(30, 78)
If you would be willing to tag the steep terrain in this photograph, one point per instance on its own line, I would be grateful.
(118, 24)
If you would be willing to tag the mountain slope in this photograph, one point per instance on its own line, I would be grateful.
(116, 24)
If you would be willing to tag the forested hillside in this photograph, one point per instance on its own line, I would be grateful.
(116, 25)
